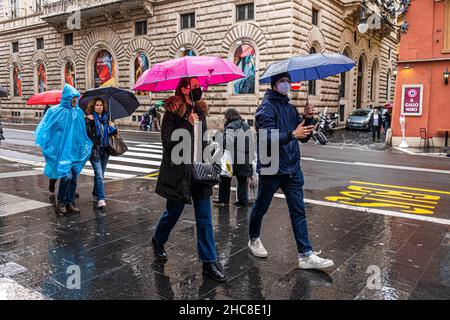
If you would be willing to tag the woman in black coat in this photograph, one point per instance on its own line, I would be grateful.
(175, 181)
(242, 160)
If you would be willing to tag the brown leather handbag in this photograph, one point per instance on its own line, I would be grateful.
(117, 146)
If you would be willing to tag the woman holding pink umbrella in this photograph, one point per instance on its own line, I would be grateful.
(175, 182)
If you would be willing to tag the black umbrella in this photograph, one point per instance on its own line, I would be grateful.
(3, 92)
(121, 103)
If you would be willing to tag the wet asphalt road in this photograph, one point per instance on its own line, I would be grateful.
(366, 208)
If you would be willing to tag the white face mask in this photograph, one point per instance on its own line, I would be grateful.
(284, 88)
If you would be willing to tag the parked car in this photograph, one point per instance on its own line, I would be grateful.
(359, 119)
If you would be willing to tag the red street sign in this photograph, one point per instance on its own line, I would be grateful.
(296, 86)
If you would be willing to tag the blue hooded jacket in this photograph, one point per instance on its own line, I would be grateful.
(63, 138)
(276, 112)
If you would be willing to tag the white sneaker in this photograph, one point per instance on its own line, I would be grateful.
(257, 248)
(94, 199)
(314, 262)
(101, 204)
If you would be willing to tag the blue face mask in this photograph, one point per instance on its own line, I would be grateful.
(284, 88)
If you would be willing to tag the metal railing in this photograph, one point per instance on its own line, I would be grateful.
(63, 6)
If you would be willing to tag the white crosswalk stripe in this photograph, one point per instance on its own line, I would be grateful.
(144, 155)
(155, 151)
(150, 146)
(139, 161)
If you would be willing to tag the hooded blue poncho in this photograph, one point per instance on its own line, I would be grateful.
(63, 138)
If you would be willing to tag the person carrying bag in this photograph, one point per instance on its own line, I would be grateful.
(241, 163)
(186, 183)
(117, 146)
(204, 173)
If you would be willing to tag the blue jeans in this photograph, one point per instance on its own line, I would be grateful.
(203, 216)
(292, 187)
(67, 188)
(99, 171)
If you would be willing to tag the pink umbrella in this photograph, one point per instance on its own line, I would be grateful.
(209, 70)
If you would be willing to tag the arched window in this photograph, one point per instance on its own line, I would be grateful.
(360, 82)
(344, 81)
(373, 82)
(187, 53)
(69, 74)
(104, 69)
(245, 59)
(17, 81)
(312, 86)
(141, 63)
(41, 78)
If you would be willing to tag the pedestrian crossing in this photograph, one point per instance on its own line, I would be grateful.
(141, 160)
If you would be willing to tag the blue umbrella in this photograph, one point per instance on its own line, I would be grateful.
(309, 67)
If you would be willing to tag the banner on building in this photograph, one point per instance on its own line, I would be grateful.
(412, 100)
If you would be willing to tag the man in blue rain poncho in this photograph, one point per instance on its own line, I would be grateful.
(65, 145)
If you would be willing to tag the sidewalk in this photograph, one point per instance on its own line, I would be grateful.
(431, 152)
(113, 253)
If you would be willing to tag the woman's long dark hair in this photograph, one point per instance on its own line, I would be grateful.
(184, 83)
(91, 106)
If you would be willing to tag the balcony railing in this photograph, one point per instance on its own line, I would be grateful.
(66, 6)
(56, 12)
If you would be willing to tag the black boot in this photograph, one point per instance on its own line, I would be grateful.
(212, 270)
(51, 185)
(159, 251)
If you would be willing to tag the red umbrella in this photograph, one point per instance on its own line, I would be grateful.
(49, 97)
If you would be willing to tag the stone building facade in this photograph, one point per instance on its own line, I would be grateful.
(113, 41)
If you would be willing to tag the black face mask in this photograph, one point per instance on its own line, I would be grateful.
(197, 94)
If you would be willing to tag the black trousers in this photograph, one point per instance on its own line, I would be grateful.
(225, 186)
(377, 130)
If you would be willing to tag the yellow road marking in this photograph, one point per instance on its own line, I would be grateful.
(376, 195)
(404, 203)
(400, 198)
(152, 175)
(393, 194)
(404, 188)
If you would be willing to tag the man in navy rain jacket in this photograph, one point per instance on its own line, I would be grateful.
(278, 122)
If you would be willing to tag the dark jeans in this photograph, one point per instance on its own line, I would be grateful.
(292, 187)
(225, 186)
(67, 188)
(203, 216)
(99, 171)
(377, 130)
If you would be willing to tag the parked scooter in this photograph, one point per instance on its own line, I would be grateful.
(327, 123)
(317, 135)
